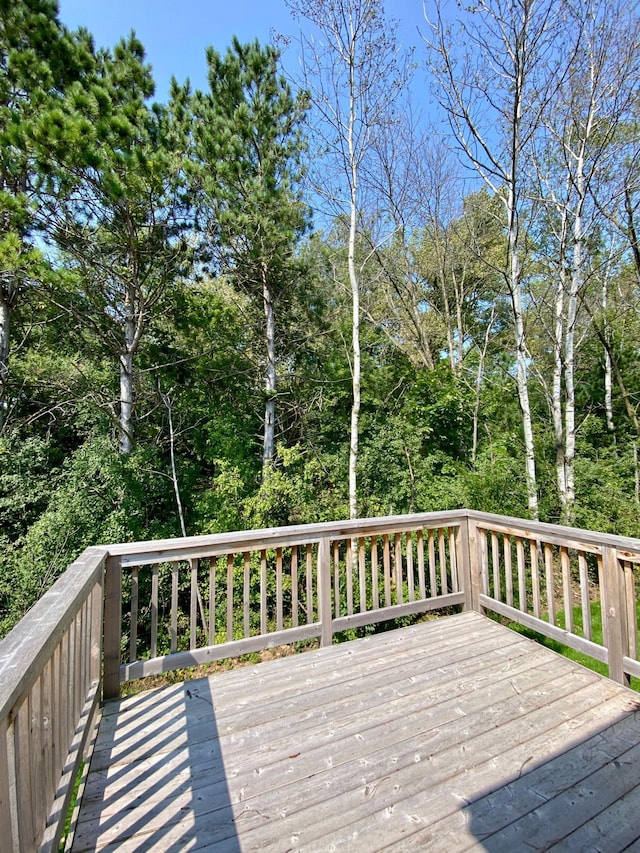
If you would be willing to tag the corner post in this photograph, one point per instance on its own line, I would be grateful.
(468, 545)
(615, 614)
(112, 628)
(324, 592)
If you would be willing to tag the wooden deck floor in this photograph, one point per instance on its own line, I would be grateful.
(450, 735)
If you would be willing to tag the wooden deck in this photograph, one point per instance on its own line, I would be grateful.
(449, 735)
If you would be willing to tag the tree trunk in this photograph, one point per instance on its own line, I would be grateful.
(268, 450)
(5, 347)
(355, 289)
(522, 381)
(126, 387)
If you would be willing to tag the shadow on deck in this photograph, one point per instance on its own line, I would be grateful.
(448, 735)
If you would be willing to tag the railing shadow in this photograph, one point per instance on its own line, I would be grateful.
(583, 798)
(157, 776)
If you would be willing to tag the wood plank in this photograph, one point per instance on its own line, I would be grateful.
(585, 599)
(433, 585)
(175, 569)
(508, 569)
(294, 586)
(349, 577)
(154, 610)
(398, 572)
(213, 565)
(133, 619)
(495, 560)
(567, 593)
(375, 580)
(522, 577)
(535, 578)
(336, 577)
(421, 573)
(193, 604)
(362, 577)
(410, 575)
(8, 815)
(309, 569)
(444, 587)
(549, 584)
(246, 595)
(386, 563)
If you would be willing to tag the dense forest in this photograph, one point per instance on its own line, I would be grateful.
(288, 300)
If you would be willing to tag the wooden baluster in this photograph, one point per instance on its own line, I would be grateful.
(551, 599)
(349, 567)
(24, 796)
(112, 628)
(585, 599)
(398, 569)
(374, 573)
(453, 560)
(193, 605)
(294, 586)
(175, 568)
(433, 585)
(336, 578)
(324, 592)
(443, 563)
(7, 816)
(632, 614)
(386, 565)
(154, 610)
(421, 577)
(263, 592)
(230, 567)
(213, 567)
(279, 604)
(246, 595)
(309, 567)
(565, 564)
(410, 577)
(495, 561)
(522, 578)
(484, 561)
(508, 568)
(133, 628)
(535, 578)
(362, 576)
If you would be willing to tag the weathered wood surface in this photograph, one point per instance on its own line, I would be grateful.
(449, 735)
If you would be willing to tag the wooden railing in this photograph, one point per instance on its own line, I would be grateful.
(49, 691)
(128, 611)
(175, 603)
(560, 582)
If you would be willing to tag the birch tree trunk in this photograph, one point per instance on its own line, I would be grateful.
(126, 378)
(5, 349)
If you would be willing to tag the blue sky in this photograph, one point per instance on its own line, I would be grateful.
(175, 33)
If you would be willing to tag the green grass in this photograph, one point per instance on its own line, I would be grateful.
(572, 654)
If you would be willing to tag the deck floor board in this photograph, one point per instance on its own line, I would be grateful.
(449, 735)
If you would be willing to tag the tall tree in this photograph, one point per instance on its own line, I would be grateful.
(352, 76)
(114, 206)
(579, 146)
(494, 76)
(248, 142)
(38, 59)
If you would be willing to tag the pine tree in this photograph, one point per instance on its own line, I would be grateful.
(248, 141)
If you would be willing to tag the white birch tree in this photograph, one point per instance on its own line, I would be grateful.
(349, 67)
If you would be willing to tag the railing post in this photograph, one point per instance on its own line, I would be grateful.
(324, 592)
(470, 564)
(614, 629)
(112, 628)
